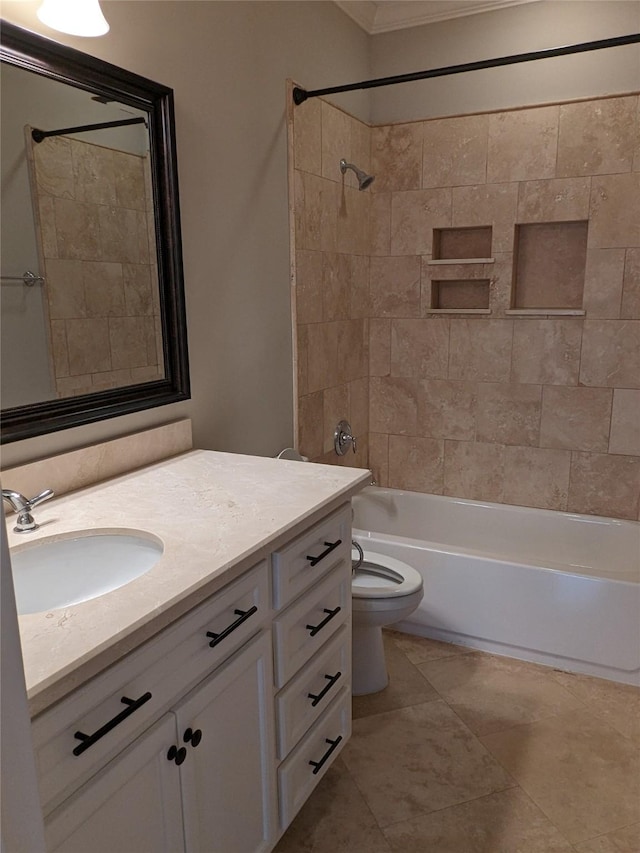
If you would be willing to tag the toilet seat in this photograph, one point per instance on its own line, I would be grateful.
(380, 576)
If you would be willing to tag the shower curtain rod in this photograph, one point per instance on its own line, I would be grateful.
(39, 135)
(301, 95)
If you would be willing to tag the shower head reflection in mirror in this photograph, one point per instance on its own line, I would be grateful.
(364, 180)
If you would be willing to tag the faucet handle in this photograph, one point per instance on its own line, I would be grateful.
(22, 506)
(43, 496)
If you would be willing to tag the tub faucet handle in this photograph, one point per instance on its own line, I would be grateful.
(343, 437)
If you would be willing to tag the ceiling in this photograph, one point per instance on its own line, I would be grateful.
(381, 16)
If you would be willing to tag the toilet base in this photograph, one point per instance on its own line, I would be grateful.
(369, 667)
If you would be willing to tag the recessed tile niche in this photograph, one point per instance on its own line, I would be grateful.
(549, 265)
(465, 295)
(461, 243)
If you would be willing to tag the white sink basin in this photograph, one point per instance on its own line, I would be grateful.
(55, 573)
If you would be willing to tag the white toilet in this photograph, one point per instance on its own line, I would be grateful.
(384, 591)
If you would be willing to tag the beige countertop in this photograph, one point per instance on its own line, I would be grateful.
(217, 514)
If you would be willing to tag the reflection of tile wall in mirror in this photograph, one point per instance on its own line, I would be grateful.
(97, 243)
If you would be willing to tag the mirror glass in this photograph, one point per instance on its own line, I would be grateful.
(91, 296)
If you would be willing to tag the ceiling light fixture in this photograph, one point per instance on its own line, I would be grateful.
(76, 17)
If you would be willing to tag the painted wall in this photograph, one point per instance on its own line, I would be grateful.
(228, 63)
(516, 29)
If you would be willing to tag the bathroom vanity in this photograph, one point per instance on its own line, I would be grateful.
(196, 708)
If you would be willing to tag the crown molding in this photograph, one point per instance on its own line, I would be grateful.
(382, 16)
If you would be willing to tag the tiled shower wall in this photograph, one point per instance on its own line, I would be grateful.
(96, 237)
(522, 406)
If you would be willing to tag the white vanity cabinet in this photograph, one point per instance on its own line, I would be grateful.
(210, 737)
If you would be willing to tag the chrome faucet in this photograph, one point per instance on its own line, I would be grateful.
(25, 521)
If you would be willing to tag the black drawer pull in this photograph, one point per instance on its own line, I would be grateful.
(243, 616)
(317, 765)
(192, 737)
(313, 629)
(89, 740)
(332, 680)
(177, 755)
(330, 546)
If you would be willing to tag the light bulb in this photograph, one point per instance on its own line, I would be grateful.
(76, 17)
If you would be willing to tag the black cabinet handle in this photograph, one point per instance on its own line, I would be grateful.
(332, 680)
(243, 616)
(313, 629)
(317, 765)
(177, 755)
(330, 546)
(192, 737)
(89, 740)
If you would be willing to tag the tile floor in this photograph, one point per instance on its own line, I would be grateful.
(466, 752)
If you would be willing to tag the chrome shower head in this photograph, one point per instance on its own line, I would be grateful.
(364, 180)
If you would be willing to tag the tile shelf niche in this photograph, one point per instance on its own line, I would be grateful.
(466, 296)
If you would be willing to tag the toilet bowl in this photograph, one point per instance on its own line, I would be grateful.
(384, 591)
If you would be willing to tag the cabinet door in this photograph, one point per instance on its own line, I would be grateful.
(228, 780)
(131, 806)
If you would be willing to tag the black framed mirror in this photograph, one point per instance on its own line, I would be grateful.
(106, 236)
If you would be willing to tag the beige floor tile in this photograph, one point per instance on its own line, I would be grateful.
(406, 686)
(492, 693)
(417, 760)
(581, 772)
(506, 822)
(419, 649)
(335, 819)
(625, 840)
(616, 704)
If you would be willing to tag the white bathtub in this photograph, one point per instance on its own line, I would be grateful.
(552, 587)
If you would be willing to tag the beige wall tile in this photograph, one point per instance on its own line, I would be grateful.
(455, 151)
(65, 289)
(47, 226)
(104, 289)
(331, 206)
(474, 470)
(522, 145)
(336, 289)
(380, 219)
(322, 356)
(604, 484)
(379, 457)
(309, 190)
(550, 265)
(420, 348)
(301, 360)
(615, 211)
(393, 406)
(630, 308)
(396, 157)
(59, 348)
(129, 180)
(625, 422)
(359, 406)
(308, 289)
(336, 143)
(137, 289)
(74, 386)
(352, 220)
(119, 235)
(54, 167)
(144, 233)
(310, 424)
(128, 340)
(353, 349)
(379, 347)
(480, 349)
(307, 129)
(611, 353)
(500, 276)
(360, 146)
(508, 413)
(94, 173)
(597, 137)
(576, 418)
(625, 840)
(416, 464)
(359, 300)
(394, 287)
(111, 379)
(603, 283)
(78, 230)
(493, 205)
(88, 346)
(447, 409)
(335, 408)
(561, 200)
(414, 215)
(536, 477)
(546, 351)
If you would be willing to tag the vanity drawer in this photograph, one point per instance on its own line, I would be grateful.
(153, 676)
(308, 623)
(305, 560)
(307, 696)
(307, 764)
